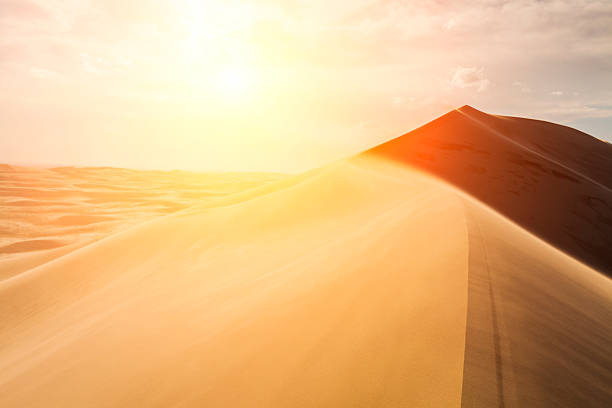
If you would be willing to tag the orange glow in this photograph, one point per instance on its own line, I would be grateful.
(198, 84)
(215, 203)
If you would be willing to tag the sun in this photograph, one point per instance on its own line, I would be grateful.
(235, 82)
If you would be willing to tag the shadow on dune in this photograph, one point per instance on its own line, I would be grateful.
(30, 245)
(553, 180)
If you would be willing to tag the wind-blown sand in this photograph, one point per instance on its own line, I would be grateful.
(65, 208)
(364, 283)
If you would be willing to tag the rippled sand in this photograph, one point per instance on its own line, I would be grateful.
(368, 282)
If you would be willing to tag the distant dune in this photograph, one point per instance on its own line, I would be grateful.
(42, 208)
(447, 267)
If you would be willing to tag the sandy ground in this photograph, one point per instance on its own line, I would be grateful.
(46, 213)
(539, 328)
(286, 299)
(364, 283)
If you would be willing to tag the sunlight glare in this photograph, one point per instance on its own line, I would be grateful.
(235, 82)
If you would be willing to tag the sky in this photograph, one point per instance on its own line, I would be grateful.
(284, 85)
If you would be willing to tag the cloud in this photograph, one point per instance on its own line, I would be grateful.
(361, 57)
(469, 77)
(397, 101)
(43, 73)
(557, 93)
(23, 9)
(90, 64)
(568, 111)
(450, 24)
(522, 87)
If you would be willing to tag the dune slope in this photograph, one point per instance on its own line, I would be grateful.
(364, 283)
(539, 327)
(286, 299)
(550, 179)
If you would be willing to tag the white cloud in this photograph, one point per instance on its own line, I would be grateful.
(557, 93)
(522, 87)
(397, 101)
(450, 24)
(469, 77)
(43, 73)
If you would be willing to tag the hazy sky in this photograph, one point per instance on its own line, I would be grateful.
(284, 85)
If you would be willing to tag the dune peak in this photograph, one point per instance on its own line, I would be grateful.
(468, 108)
(539, 174)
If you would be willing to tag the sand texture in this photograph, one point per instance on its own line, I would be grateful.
(441, 269)
(552, 180)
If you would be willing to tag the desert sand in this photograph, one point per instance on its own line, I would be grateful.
(458, 265)
(553, 180)
(46, 213)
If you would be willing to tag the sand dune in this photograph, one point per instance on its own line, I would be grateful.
(553, 180)
(539, 324)
(237, 305)
(46, 208)
(364, 283)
